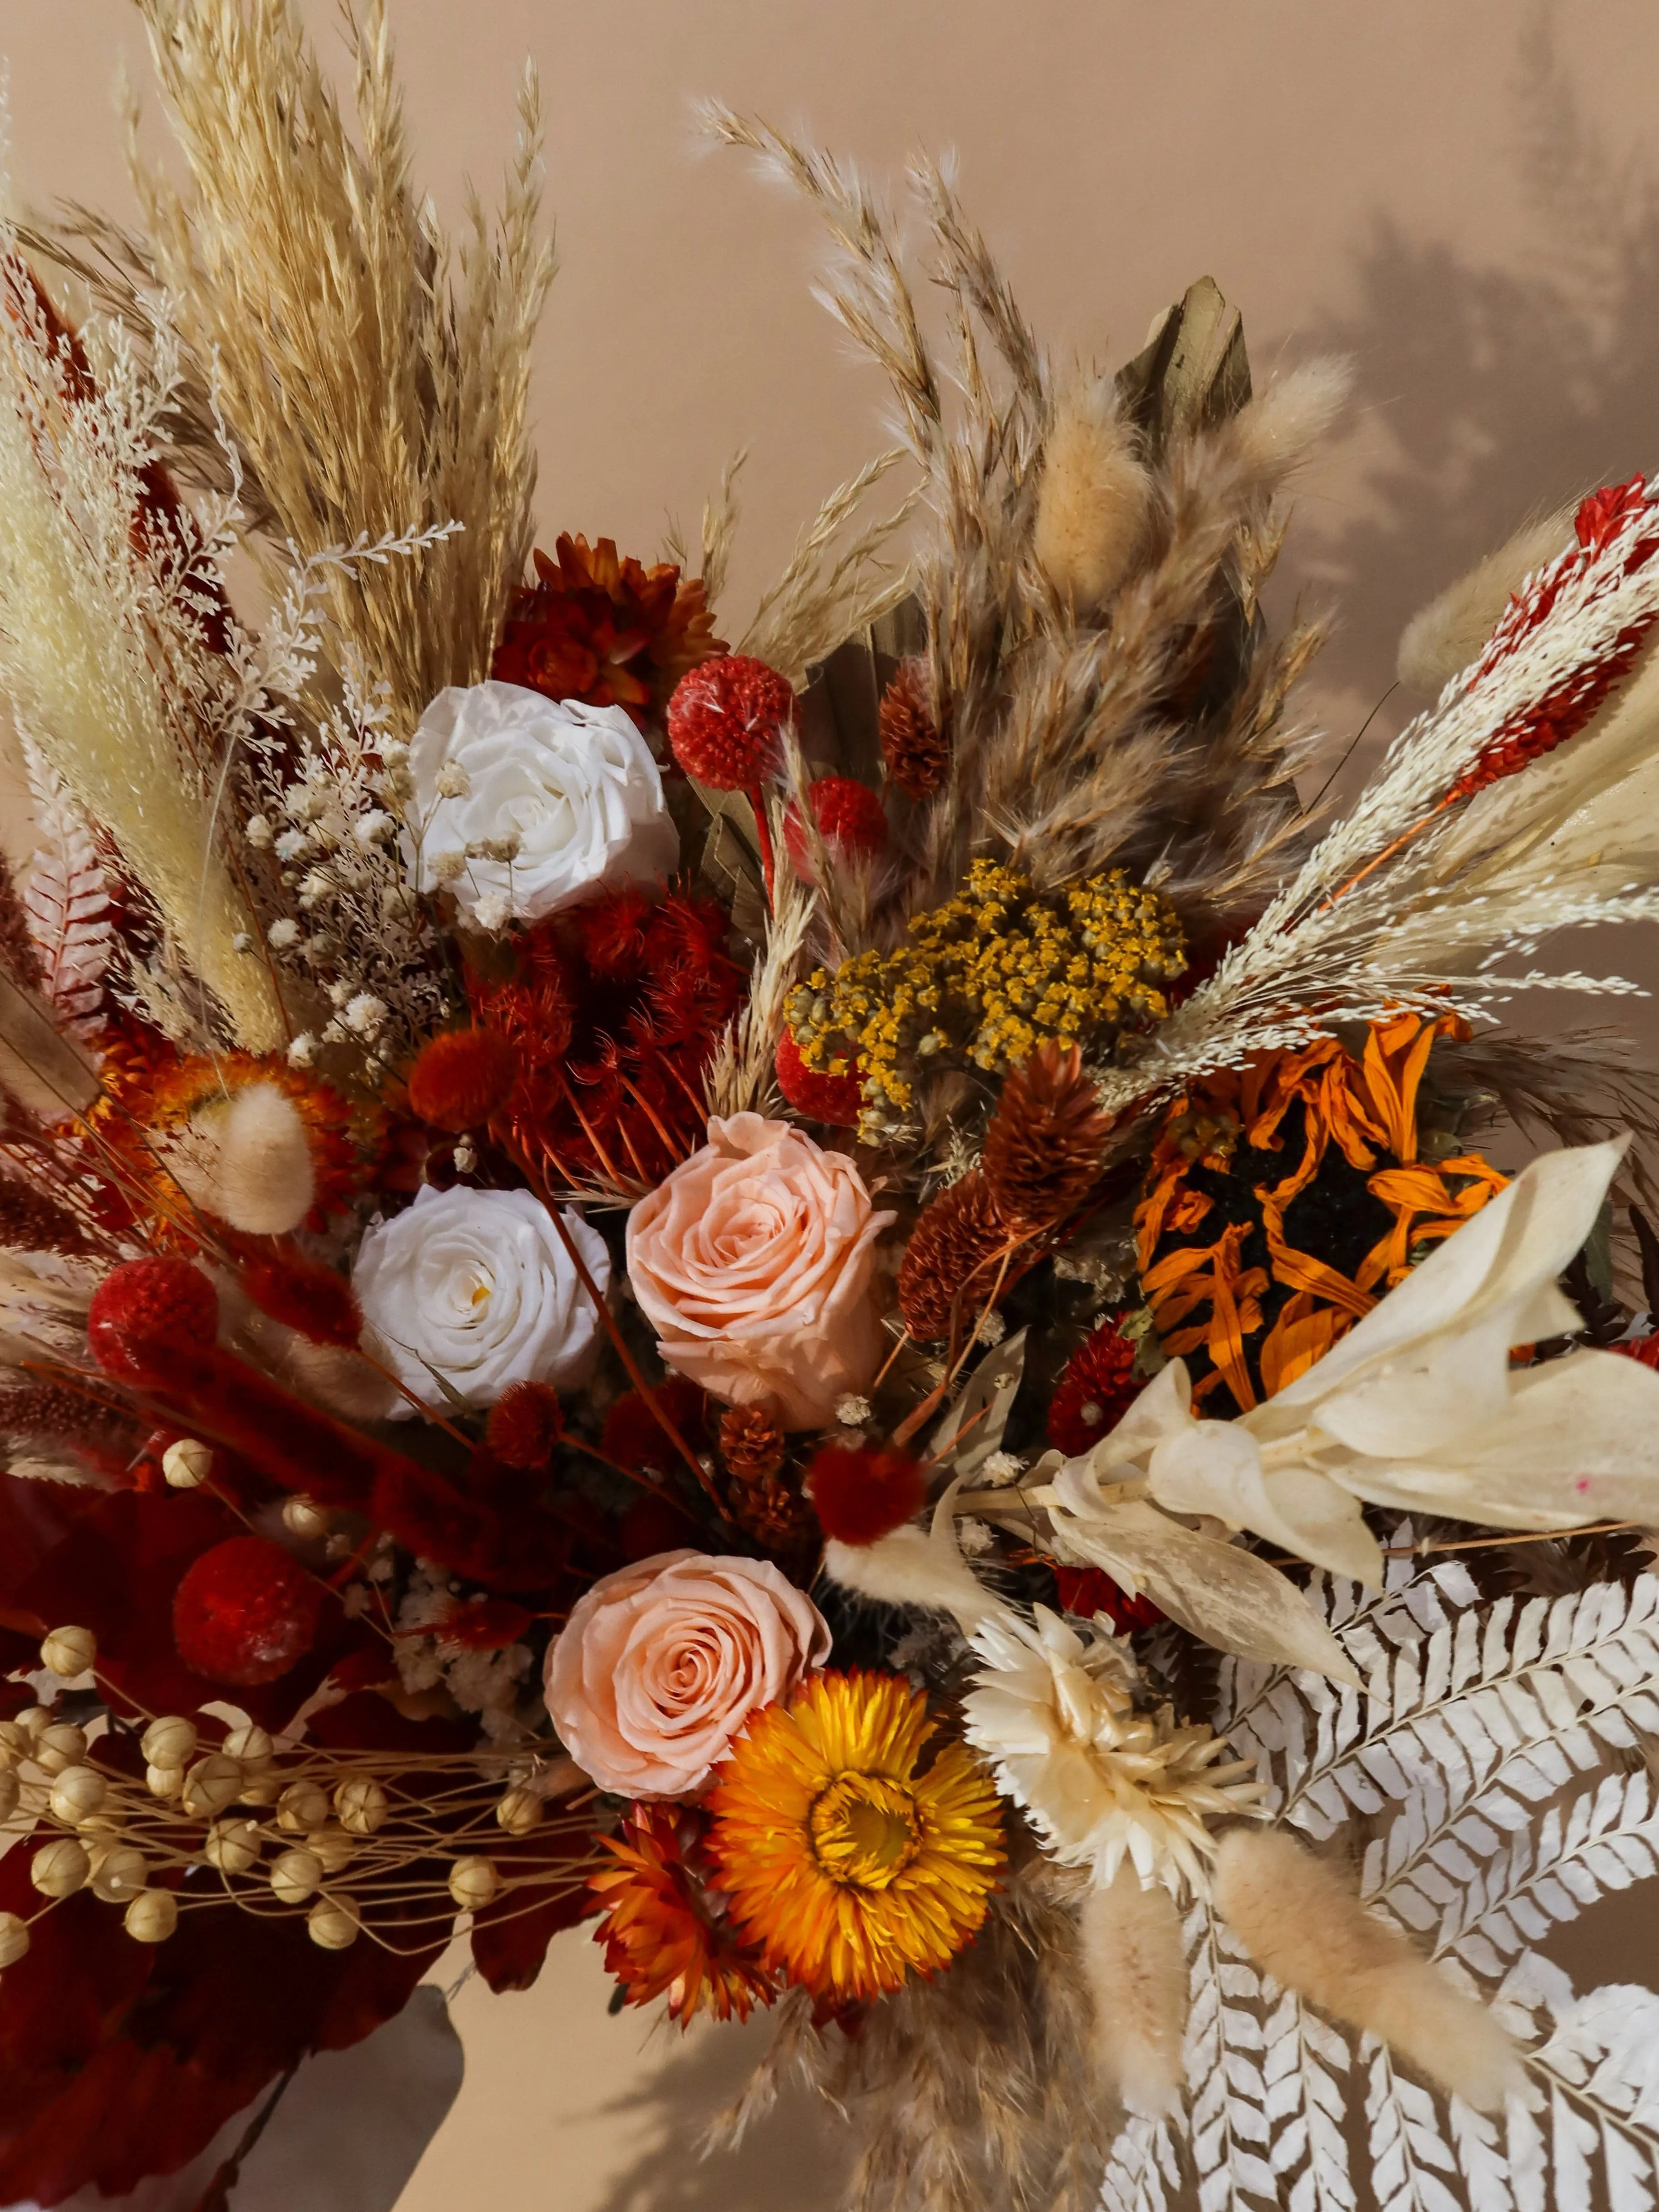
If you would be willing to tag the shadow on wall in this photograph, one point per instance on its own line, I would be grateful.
(1493, 395)
(795, 2159)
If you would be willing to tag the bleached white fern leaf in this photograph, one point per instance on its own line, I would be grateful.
(67, 900)
(1493, 1755)
(1142, 2169)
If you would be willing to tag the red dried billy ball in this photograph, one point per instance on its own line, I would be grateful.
(860, 1493)
(834, 1099)
(850, 819)
(461, 1076)
(245, 1612)
(149, 1306)
(524, 1424)
(726, 722)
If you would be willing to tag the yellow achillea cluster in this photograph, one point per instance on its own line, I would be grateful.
(996, 971)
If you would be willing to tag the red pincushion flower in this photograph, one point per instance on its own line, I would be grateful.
(863, 1492)
(834, 1099)
(245, 1612)
(524, 1424)
(1086, 1591)
(1094, 1393)
(460, 1076)
(160, 1303)
(614, 931)
(850, 819)
(725, 720)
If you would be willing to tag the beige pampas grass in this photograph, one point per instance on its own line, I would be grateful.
(1443, 638)
(1300, 1921)
(1130, 1940)
(1282, 426)
(1094, 501)
(249, 1162)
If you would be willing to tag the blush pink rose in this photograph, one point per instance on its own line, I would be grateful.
(755, 1263)
(660, 1665)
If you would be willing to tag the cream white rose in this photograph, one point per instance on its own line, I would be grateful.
(475, 1286)
(565, 799)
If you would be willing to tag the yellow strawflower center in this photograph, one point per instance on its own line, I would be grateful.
(864, 1830)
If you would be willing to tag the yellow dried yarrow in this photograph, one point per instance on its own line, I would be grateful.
(998, 971)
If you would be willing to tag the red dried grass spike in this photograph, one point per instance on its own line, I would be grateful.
(462, 1076)
(835, 1100)
(1095, 1390)
(652, 1524)
(245, 1613)
(726, 718)
(524, 1424)
(147, 1309)
(863, 1492)
(306, 1296)
(850, 819)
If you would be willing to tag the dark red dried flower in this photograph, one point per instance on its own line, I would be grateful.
(502, 1546)
(524, 1424)
(835, 1100)
(614, 931)
(147, 1308)
(304, 1296)
(1093, 1393)
(245, 1612)
(726, 722)
(635, 1439)
(913, 747)
(485, 1624)
(860, 1492)
(1047, 1139)
(606, 630)
(461, 1076)
(1086, 1591)
(851, 820)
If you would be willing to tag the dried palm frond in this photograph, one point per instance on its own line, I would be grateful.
(377, 382)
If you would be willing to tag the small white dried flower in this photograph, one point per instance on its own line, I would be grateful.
(851, 1412)
(317, 886)
(493, 912)
(975, 1536)
(355, 1600)
(365, 1014)
(453, 781)
(992, 1328)
(302, 1050)
(444, 867)
(394, 752)
(504, 849)
(465, 1158)
(334, 1032)
(241, 942)
(338, 993)
(293, 845)
(282, 933)
(396, 786)
(373, 829)
(258, 833)
(305, 802)
(1001, 1468)
(319, 946)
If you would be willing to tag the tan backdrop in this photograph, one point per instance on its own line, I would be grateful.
(1458, 196)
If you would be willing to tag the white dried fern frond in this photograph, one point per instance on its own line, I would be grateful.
(67, 900)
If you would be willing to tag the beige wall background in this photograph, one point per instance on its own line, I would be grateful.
(1465, 198)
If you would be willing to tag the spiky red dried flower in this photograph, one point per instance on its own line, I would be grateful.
(836, 1100)
(461, 1076)
(726, 720)
(660, 1936)
(245, 1612)
(851, 820)
(614, 931)
(913, 747)
(524, 1424)
(949, 1272)
(606, 630)
(150, 1307)
(1047, 1140)
(1095, 1390)
(861, 1492)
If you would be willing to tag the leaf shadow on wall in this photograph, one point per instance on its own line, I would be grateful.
(796, 2158)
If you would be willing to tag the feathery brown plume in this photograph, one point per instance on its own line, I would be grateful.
(1047, 1139)
(912, 744)
(751, 1442)
(30, 1221)
(949, 1257)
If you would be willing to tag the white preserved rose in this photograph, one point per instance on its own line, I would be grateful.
(476, 1287)
(523, 804)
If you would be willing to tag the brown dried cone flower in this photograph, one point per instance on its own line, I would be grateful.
(751, 1442)
(762, 1500)
(912, 744)
(951, 1254)
(1047, 1140)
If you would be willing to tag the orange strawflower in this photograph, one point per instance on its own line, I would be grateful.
(606, 630)
(660, 1936)
(1285, 1198)
(848, 1868)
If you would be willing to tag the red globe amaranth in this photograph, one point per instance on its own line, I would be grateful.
(862, 1492)
(834, 1099)
(162, 1304)
(461, 1076)
(1094, 1391)
(850, 819)
(524, 1424)
(245, 1612)
(726, 722)
(1086, 1591)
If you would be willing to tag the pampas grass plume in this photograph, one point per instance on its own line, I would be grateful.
(249, 1161)
(1301, 1922)
(1283, 423)
(1094, 502)
(1133, 1962)
(1446, 636)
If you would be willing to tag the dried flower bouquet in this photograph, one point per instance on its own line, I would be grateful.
(839, 1304)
